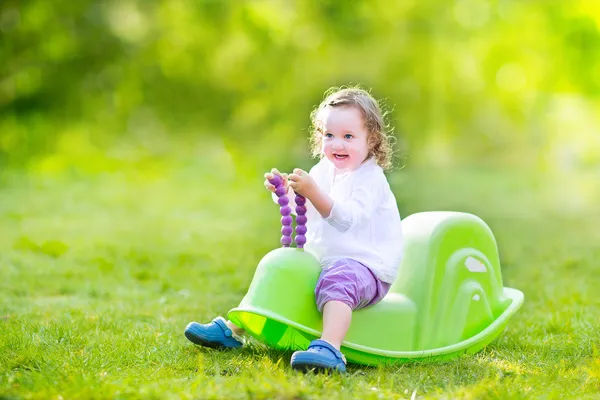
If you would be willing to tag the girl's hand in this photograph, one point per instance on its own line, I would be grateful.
(303, 183)
(270, 175)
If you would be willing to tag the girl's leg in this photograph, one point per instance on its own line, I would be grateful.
(324, 354)
(336, 322)
(342, 287)
(236, 329)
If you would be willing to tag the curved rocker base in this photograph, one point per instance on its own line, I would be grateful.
(279, 332)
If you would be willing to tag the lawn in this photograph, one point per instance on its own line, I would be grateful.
(100, 273)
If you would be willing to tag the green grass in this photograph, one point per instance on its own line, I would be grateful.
(100, 273)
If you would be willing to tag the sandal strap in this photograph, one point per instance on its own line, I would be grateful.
(221, 322)
(326, 345)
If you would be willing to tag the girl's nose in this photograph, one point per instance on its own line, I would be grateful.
(337, 144)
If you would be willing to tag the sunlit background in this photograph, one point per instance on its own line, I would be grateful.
(133, 139)
(94, 85)
(502, 97)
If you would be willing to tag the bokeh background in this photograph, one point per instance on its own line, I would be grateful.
(96, 85)
(133, 139)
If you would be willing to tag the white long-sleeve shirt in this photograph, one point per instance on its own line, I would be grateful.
(364, 223)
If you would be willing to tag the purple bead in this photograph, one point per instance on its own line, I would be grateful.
(286, 240)
(286, 230)
(286, 220)
(276, 181)
(301, 229)
(300, 240)
(283, 201)
(280, 191)
(285, 210)
(301, 210)
(301, 219)
(300, 200)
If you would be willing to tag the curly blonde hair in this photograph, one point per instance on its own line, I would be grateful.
(379, 139)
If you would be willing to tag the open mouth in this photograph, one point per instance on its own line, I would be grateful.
(340, 156)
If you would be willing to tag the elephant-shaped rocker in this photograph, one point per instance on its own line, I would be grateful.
(448, 298)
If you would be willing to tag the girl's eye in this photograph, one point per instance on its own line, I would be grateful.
(328, 135)
(348, 136)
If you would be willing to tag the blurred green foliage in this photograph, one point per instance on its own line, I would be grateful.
(142, 128)
(503, 81)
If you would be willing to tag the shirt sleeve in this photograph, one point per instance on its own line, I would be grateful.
(364, 199)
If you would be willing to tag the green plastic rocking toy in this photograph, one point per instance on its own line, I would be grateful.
(448, 298)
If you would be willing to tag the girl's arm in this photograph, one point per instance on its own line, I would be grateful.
(321, 201)
(361, 204)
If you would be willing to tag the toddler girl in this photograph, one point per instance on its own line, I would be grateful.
(353, 224)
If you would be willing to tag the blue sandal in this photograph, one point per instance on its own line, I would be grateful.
(215, 334)
(321, 356)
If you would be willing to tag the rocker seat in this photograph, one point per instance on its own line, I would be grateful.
(448, 298)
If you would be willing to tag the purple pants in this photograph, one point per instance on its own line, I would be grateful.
(350, 282)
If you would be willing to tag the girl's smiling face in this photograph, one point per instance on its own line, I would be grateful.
(344, 136)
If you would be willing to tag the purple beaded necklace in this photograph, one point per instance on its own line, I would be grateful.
(286, 218)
